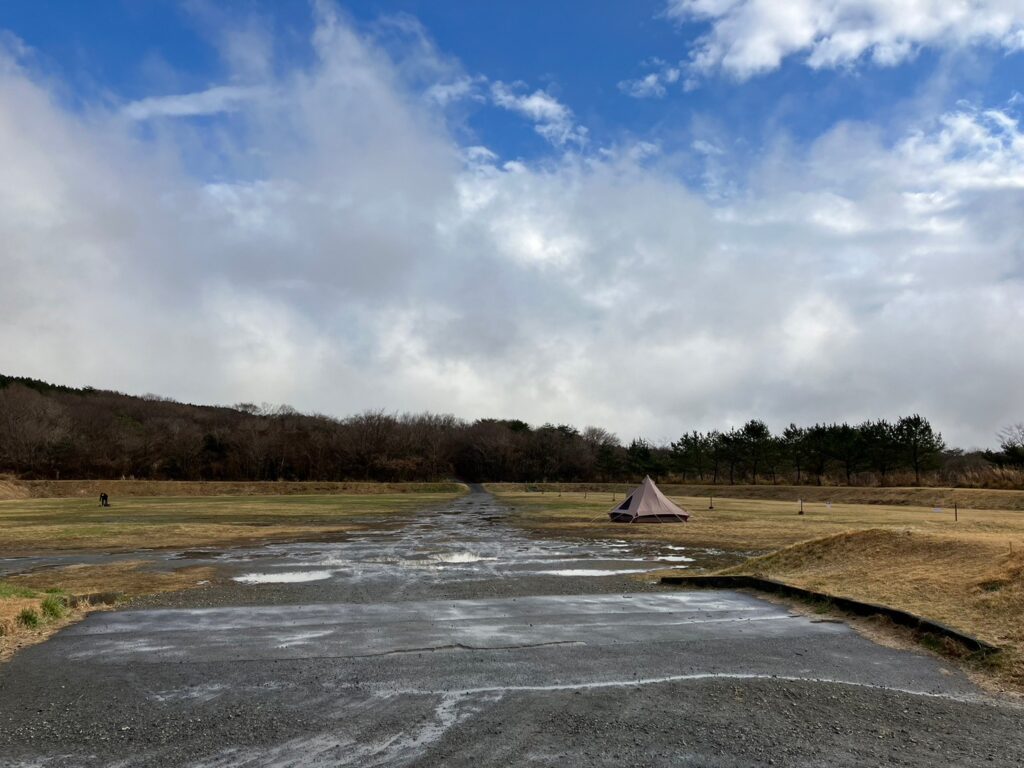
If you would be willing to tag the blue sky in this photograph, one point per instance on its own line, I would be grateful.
(578, 51)
(789, 211)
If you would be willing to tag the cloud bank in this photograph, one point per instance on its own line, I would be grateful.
(749, 37)
(330, 242)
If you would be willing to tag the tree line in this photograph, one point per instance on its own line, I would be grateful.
(752, 453)
(51, 431)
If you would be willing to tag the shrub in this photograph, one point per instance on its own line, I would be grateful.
(28, 618)
(53, 607)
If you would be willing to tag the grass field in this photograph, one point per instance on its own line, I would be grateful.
(755, 525)
(54, 524)
(974, 498)
(967, 573)
(12, 488)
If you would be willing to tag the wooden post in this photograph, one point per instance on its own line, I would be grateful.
(956, 512)
(711, 502)
(801, 507)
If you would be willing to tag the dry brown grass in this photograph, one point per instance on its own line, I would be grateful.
(72, 584)
(128, 579)
(48, 525)
(752, 525)
(11, 488)
(969, 498)
(14, 636)
(10, 607)
(973, 582)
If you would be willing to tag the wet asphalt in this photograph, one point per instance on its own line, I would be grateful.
(458, 640)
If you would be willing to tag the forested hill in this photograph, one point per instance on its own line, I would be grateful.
(52, 431)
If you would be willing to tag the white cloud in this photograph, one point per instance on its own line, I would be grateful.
(748, 37)
(352, 253)
(221, 98)
(646, 87)
(653, 85)
(969, 149)
(463, 87)
(552, 119)
(706, 148)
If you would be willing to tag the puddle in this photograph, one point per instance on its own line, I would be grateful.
(293, 577)
(460, 557)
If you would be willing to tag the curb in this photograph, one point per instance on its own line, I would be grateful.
(858, 607)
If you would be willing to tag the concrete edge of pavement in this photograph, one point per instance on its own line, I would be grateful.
(857, 607)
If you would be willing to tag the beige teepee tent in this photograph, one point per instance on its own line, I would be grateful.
(646, 504)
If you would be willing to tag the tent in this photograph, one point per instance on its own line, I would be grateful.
(646, 504)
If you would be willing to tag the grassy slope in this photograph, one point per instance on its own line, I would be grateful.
(969, 581)
(969, 574)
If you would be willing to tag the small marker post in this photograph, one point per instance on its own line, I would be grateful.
(711, 502)
(801, 507)
(956, 512)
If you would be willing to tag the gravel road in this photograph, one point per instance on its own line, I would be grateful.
(457, 640)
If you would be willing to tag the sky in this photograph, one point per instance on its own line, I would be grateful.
(653, 216)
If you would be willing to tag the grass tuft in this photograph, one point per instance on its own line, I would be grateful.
(28, 618)
(53, 607)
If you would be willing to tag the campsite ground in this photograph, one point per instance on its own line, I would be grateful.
(450, 636)
(76, 549)
(967, 572)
